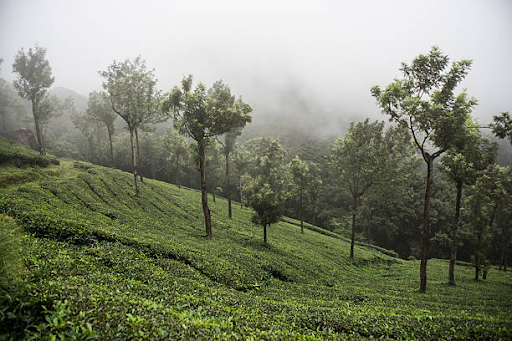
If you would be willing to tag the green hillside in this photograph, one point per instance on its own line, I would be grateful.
(97, 263)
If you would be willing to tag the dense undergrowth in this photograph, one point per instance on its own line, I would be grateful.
(98, 263)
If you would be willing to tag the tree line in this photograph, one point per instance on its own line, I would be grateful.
(366, 185)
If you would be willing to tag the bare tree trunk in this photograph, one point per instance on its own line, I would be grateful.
(178, 171)
(134, 162)
(353, 234)
(204, 189)
(240, 189)
(426, 212)
(369, 236)
(112, 156)
(301, 214)
(138, 155)
(39, 133)
(455, 232)
(503, 260)
(228, 190)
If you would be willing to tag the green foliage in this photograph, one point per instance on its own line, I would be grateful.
(11, 151)
(10, 252)
(502, 126)
(34, 79)
(266, 187)
(203, 114)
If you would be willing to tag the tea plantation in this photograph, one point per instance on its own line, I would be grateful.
(87, 260)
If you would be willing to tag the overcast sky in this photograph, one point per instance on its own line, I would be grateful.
(326, 54)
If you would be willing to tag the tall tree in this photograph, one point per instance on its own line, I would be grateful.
(267, 185)
(228, 144)
(356, 158)
(463, 167)
(304, 179)
(424, 102)
(99, 108)
(133, 96)
(34, 79)
(204, 114)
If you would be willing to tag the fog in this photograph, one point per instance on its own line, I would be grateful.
(299, 60)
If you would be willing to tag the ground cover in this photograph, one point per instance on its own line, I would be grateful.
(98, 263)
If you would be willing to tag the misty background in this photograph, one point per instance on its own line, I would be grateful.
(307, 65)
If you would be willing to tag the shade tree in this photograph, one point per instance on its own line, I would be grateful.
(133, 96)
(424, 101)
(228, 142)
(203, 114)
(266, 184)
(34, 78)
(305, 183)
(100, 108)
(463, 166)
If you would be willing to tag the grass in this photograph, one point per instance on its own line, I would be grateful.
(102, 264)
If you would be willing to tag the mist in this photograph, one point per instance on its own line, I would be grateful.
(310, 64)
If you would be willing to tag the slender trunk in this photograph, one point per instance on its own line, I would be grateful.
(503, 248)
(484, 272)
(4, 125)
(369, 236)
(314, 217)
(112, 157)
(204, 189)
(38, 129)
(265, 234)
(90, 154)
(178, 171)
(138, 155)
(301, 214)
(240, 189)
(455, 232)
(353, 234)
(426, 212)
(228, 193)
(134, 162)
(477, 265)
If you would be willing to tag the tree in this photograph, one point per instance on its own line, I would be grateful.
(356, 159)
(497, 185)
(463, 166)
(502, 126)
(241, 162)
(178, 147)
(99, 108)
(266, 187)
(228, 144)
(424, 102)
(396, 163)
(305, 178)
(204, 114)
(88, 126)
(133, 96)
(34, 79)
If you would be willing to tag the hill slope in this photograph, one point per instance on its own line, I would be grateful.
(103, 264)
